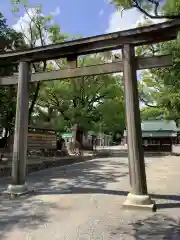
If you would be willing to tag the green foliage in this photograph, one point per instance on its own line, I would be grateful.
(40, 31)
(92, 102)
(152, 8)
(9, 39)
(160, 87)
(151, 113)
(171, 7)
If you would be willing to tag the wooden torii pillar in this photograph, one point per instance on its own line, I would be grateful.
(138, 197)
(18, 185)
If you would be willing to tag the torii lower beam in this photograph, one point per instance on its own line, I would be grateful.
(107, 68)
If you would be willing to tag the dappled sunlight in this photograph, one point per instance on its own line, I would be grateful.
(24, 213)
(95, 189)
(158, 226)
(98, 174)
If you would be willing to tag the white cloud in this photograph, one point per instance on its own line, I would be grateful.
(56, 12)
(120, 21)
(127, 19)
(23, 24)
(101, 12)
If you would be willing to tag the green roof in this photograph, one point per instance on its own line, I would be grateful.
(158, 126)
(69, 134)
(66, 135)
(91, 133)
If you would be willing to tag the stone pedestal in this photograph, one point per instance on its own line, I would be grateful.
(139, 202)
(17, 189)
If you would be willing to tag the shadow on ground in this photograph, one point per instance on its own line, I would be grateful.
(154, 227)
(23, 214)
(93, 177)
(93, 174)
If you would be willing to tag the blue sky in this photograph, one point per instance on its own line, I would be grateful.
(85, 17)
(81, 16)
(76, 17)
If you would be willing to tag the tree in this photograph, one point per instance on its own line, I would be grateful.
(88, 101)
(159, 88)
(154, 9)
(39, 31)
(150, 113)
(9, 40)
(170, 98)
(81, 100)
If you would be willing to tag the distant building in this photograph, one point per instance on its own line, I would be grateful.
(158, 135)
(101, 139)
(68, 137)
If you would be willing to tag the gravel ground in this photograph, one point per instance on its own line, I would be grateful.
(84, 202)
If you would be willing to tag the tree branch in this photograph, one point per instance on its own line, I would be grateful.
(146, 103)
(156, 16)
(35, 96)
(56, 101)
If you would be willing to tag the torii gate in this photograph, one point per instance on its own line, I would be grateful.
(125, 40)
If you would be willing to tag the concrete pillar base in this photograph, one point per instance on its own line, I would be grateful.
(16, 190)
(143, 202)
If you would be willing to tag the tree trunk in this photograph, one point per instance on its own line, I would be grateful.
(35, 96)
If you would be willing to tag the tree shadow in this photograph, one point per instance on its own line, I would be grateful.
(169, 201)
(94, 177)
(29, 212)
(154, 227)
(97, 173)
(93, 174)
(24, 214)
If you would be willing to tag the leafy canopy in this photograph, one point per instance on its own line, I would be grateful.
(154, 9)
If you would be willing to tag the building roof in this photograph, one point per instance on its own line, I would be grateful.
(69, 134)
(158, 126)
(66, 135)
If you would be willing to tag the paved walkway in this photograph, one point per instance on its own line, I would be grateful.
(83, 202)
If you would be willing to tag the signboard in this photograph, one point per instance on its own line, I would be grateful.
(41, 139)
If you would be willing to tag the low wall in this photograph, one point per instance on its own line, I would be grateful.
(124, 153)
(36, 164)
(176, 149)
